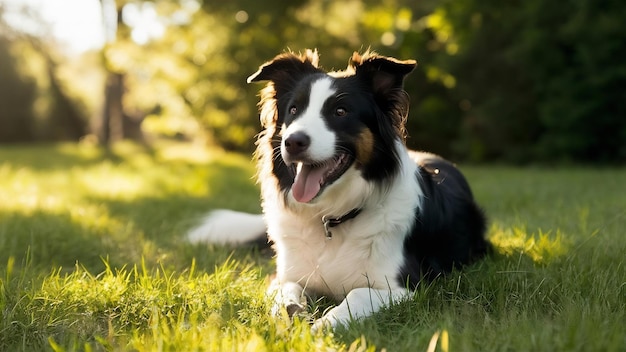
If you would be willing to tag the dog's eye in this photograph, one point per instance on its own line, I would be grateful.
(293, 110)
(340, 112)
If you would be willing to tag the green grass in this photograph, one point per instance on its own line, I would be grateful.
(92, 258)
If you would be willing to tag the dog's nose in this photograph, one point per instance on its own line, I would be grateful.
(297, 143)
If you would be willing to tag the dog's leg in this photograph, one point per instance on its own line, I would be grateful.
(287, 295)
(359, 303)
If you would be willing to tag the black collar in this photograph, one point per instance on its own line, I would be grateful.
(332, 222)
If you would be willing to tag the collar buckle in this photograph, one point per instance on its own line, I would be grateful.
(329, 222)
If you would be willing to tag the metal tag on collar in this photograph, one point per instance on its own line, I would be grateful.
(332, 222)
(328, 223)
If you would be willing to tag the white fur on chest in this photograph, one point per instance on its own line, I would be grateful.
(366, 251)
(336, 266)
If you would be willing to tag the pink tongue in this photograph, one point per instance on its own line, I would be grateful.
(307, 183)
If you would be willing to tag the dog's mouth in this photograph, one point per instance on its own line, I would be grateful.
(311, 178)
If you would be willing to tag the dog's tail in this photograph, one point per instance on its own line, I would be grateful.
(228, 227)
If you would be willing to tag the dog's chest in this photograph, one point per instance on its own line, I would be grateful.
(359, 254)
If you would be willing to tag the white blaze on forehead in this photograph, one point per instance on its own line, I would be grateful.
(312, 122)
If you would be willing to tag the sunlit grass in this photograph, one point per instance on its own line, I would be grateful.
(92, 257)
(542, 248)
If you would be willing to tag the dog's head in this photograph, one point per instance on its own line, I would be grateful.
(318, 124)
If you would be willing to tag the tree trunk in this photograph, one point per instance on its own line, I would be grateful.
(66, 122)
(113, 110)
(115, 123)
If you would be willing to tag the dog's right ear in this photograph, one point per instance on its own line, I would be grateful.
(287, 67)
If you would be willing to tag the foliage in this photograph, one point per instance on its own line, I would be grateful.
(93, 258)
(542, 79)
(222, 43)
(497, 81)
(34, 104)
(17, 96)
(516, 81)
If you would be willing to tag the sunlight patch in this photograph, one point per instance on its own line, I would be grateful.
(110, 182)
(541, 247)
(194, 153)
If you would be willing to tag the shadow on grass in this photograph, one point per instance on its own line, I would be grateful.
(50, 240)
(164, 222)
(149, 230)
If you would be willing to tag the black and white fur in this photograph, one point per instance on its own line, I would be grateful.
(333, 148)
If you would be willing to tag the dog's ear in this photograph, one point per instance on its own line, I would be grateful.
(283, 73)
(287, 67)
(384, 74)
(385, 77)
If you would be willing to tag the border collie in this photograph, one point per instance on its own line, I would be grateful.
(352, 214)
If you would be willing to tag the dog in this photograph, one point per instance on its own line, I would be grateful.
(351, 213)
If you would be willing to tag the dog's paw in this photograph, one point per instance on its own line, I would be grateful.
(290, 308)
(294, 309)
(288, 299)
(325, 323)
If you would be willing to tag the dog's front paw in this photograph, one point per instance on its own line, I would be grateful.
(291, 308)
(294, 308)
(325, 323)
(287, 298)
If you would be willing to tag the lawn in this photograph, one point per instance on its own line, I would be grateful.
(93, 257)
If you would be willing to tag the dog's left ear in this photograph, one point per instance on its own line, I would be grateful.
(383, 73)
(287, 66)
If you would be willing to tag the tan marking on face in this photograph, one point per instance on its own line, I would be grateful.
(364, 146)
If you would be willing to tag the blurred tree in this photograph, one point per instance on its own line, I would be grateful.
(435, 111)
(514, 81)
(541, 79)
(116, 122)
(34, 104)
(17, 95)
(199, 65)
(499, 118)
(575, 56)
(65, 120)
(234, 38)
